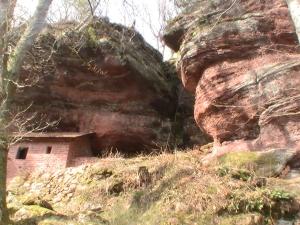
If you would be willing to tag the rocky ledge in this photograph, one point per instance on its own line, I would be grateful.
(241, 59)
(104, 78)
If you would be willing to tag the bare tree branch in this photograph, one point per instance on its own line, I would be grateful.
(10, 71)
(294, 8)
(91, 7)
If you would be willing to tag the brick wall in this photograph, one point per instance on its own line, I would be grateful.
(37, 158)
(80, 147)
(64, 153)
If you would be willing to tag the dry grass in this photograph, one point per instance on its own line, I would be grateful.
(181, 191)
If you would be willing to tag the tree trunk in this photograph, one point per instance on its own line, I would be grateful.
(4, 5)
(10, 72)
(4, 220)
(294, 8)
(5, 19)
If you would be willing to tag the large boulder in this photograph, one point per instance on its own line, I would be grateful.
(103, 78)
(241, 59)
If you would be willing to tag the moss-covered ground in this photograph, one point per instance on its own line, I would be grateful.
(151, 190)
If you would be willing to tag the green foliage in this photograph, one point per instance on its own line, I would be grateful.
(241, 202)
(223, 171)
(239, 174)
(242, 174)
(279, 195)
(267, 201)
(92, 37)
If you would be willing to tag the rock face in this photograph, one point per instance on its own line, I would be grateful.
(186, 133)
(102, 78)
(191, 134)
(241, 60)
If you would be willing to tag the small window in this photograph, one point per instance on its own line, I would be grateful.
(22, 153)
(49, 149)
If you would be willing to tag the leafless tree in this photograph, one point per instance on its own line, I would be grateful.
(11, 63)
(152, 21)
(75, 10)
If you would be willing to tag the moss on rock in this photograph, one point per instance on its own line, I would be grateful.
(181, 191)
(267, 163)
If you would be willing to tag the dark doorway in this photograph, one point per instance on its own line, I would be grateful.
(49, 149)
(22, 153)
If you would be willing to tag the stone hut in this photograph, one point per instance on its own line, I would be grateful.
(47, 151)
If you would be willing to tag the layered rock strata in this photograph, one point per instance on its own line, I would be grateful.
(102, 78)
(241, 59)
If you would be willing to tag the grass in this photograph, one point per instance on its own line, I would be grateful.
(181, 191)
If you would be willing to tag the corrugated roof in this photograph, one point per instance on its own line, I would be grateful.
(53, 134)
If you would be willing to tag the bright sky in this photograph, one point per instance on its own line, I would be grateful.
(145, 10)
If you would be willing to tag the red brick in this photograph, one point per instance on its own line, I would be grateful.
(63, 154)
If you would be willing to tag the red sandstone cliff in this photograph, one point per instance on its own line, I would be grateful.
(104, 78)
(242, 62)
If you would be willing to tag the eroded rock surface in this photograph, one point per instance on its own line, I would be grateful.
(103, 78)
(241, 59)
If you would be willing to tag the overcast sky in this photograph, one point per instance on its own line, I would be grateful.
(116, 12)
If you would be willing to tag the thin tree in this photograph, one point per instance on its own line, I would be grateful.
(10, 67)
(294, 8)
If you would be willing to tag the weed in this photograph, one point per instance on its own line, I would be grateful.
(279, 195)
(182, 191)
(242, 174)
(267, 201)
(239, 174)
(223, 171)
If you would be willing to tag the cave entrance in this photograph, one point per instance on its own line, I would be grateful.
(125, 147)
